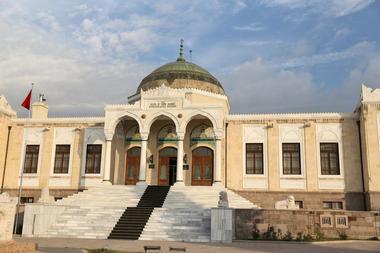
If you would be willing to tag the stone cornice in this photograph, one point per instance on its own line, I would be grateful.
(292, 116)
(78, 120)
(157, 91)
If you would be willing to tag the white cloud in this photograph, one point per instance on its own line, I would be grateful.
(253, 27)
(256, 43)
(335, 8)
(73, 80)
(255, 87)
(343, 32)
(239, 5)
(49, 21)
(361, 49)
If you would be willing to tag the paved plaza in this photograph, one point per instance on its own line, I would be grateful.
(75, 245)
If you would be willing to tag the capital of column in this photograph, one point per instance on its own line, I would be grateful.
(144, 136)
(180, 136)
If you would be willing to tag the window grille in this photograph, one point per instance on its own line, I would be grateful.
(326, 221)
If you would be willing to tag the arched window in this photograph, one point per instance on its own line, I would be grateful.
(167, 134)
(202, 133)
(133, 134)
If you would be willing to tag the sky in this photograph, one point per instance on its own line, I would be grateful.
(271, 56)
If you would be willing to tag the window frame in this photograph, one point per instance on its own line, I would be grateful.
(332, 203)
(100, 159)
(38, 159)
(69, 161)
(337, 159)
(254, 152)
(299, 160)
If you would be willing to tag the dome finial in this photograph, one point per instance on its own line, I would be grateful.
(180, 57)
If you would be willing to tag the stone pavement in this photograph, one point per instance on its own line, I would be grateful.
(59, 245)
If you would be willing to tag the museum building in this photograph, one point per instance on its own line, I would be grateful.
(176, 130)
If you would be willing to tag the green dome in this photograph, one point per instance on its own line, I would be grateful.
(181, 74)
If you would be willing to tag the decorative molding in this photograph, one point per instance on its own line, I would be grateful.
(164, 90)
(293, 116)
(293, 184)
(5, 107)
(255, 183)
(255, 133)
(60, 181)
(88, 120)
(331, 184)
(292, 133)
(330, 132)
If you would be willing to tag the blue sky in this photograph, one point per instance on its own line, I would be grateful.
(270, 55)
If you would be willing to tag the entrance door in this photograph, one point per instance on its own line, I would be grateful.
(132, 165)
(167, 168)
(202, 166)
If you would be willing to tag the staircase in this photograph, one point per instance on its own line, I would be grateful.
(186, 214)
(93, 213)
(133, 221)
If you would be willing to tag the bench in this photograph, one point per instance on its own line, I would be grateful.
(173, 249)
(152, 249)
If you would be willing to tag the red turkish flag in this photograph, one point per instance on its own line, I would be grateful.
(26, 103)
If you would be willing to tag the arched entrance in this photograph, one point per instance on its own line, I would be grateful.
(167, 166)
(202, 166)
(132, 165)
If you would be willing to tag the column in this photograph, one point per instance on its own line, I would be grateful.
(144, 143)
(218, 162)
(180, 162)
(107, 163)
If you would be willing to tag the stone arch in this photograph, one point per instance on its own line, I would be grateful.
(155, 116)
(116, 120)
(199, 113)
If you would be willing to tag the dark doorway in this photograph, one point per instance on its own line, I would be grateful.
(167, 168)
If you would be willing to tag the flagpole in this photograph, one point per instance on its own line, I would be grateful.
(20, 188)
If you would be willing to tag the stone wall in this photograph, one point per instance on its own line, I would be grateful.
(7, 215)
(38, 217)
(360, 225)
(311, 200)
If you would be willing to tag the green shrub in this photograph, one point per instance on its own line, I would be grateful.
(288, 236)
(342, 235)
(299, 236)
(255, 233)
(308, 238)
(271, 234)
(319, 235)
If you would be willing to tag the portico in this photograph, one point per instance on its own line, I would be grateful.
(178, 142)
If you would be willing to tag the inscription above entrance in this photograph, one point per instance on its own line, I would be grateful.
(163, 104)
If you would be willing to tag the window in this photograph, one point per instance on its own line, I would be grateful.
(57, 198)
(333, 205)
(299, 203)
(93, 158)
(62, 158)
(24, 200)
(31, 158)
(329, 159)
(254, 158)
(291, 159)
